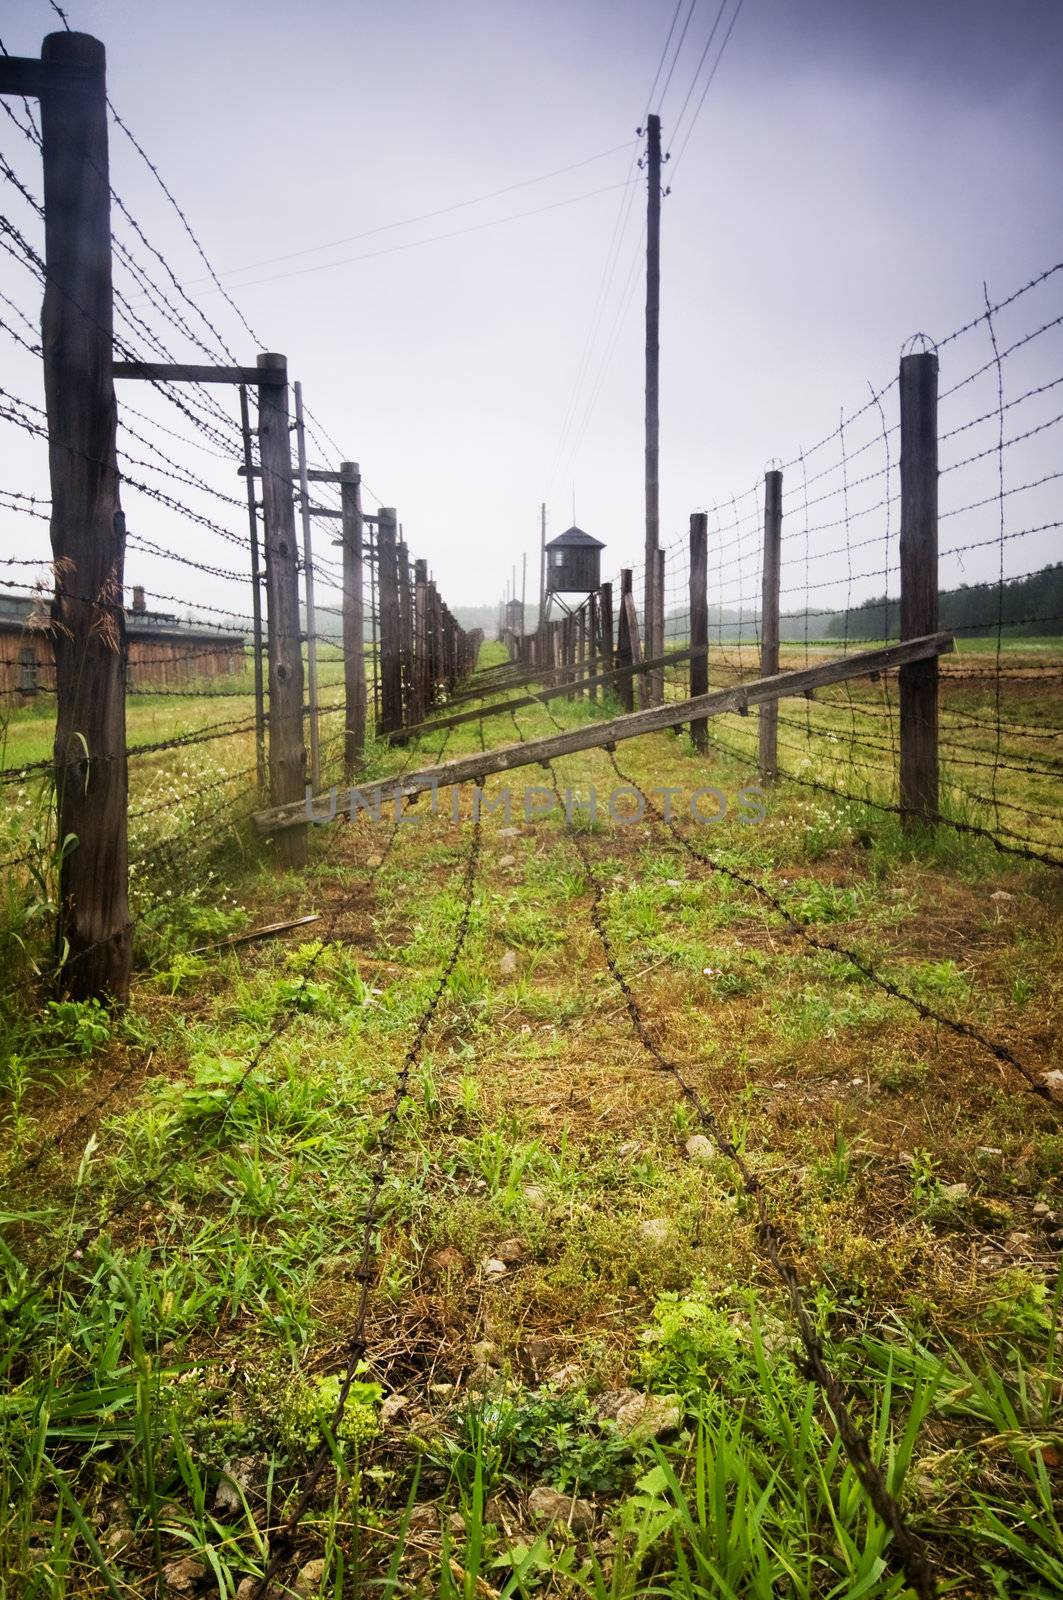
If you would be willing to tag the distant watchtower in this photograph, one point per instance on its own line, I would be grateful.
(573, 565)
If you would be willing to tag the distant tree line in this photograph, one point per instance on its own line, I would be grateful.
(1031, 605)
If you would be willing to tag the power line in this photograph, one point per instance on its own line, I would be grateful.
(435, 238)
(425, 216)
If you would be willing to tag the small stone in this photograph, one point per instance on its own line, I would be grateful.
(1001, 894)
(954, 1192)
(649, 1416)
(424, 1519)
(508, 964)
(545, 1505)
(655, 1230)
(373, 860)
(184, 1576)
(493, 1268)
(630, 1148)
(447, 1260)
(1042, 1210)
(989, 1150)
(610, 1401)
(567, 1377)
(535, 1196)
(392, 1409)
(780, 1085)
(509, 833)
(481, 1378)
(456, 1524)
(484, 1352)
(308, 1578)
(856, 1083)
(507, 861)
(1053, 1082)
(700, 1148)
(511, 1250)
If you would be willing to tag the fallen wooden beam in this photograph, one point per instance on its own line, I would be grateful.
(418, 728)
(466, 769)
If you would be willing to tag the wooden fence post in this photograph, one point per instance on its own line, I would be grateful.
(308, 592)
(699, 622)
(919, 586)
(769, 623)
(658, 632)
(93, 931)
(353, 619)
(405, 631)
(256, 595)
(420, 644)
(625, 687)
(390, 636)
(605, 624)
(287, 752)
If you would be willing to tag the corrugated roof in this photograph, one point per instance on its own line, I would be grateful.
(574, 537)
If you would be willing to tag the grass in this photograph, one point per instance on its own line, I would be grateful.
(195, 1255)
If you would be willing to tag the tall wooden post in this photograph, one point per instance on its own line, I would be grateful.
(374, 618)
(653, 322)
(919, 586)
(308, 591)
(605, 624)
(405, 631)
(287, 752)
(625, 686)
(542, 564)
(420, 641)
(769, 622)
(699, 622)
(256, 595)
(390, 637)
(658, 629)
(93, 934)
(353, 619)
(595, 653)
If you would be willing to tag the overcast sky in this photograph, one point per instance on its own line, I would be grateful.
(856, 171)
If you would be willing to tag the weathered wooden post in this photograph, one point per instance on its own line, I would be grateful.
(353, 620)
(390, 636)
(605, 624)
(625, 686)
(919, 586)
(699, 622)
(420, 648)
(769, 623)
(287, 752)
(658, 630)
(406, 631)
(256, 594)
(308, 591)
(93, 933)
(593, 624)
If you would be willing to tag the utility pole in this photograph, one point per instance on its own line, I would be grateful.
(523, 589)
(653, 621)
(542, 563)
(308, 579)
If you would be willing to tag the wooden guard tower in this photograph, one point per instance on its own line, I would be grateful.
(573, 566)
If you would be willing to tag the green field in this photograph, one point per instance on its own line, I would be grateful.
(560, 1238)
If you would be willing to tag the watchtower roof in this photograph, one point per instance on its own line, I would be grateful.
(574, 538)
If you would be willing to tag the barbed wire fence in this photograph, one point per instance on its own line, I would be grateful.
(192, 605)
(999, 578)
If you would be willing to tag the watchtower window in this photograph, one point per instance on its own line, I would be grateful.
(557, 558)
(28, 670)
